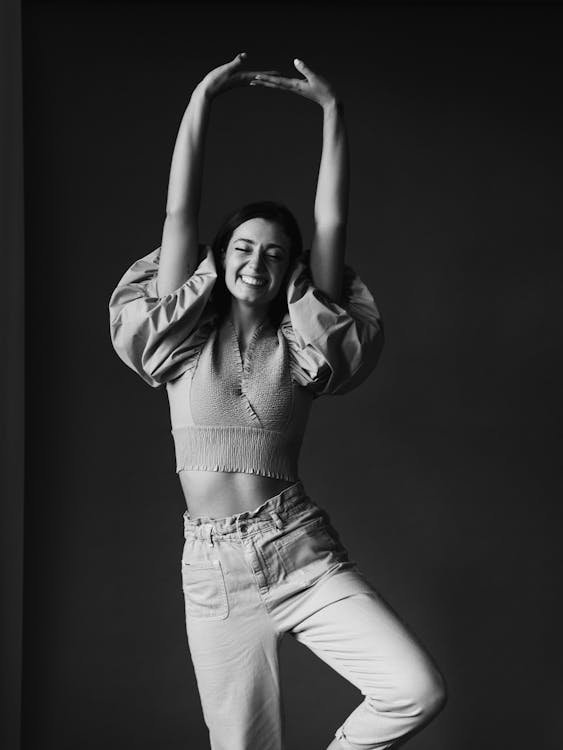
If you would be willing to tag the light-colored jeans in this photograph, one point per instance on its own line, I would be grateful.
(250, 578)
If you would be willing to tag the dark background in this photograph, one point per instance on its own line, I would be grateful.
(442, 471)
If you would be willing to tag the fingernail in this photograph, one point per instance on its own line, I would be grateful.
(298, 61)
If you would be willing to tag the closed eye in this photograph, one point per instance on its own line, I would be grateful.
(273, 256)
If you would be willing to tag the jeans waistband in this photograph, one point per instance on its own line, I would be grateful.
(277, 510)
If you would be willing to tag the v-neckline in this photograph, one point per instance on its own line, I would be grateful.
(244, 357)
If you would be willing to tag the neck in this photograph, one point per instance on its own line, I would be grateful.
(245, 318)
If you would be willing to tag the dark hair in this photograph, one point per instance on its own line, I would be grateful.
(271, 211)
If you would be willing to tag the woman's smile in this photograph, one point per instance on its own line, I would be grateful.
(256, 281)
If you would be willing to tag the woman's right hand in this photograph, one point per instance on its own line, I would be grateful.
(225, 77)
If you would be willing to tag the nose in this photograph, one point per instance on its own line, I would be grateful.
(256, 261)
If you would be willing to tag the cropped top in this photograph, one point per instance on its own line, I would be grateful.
(242, 414)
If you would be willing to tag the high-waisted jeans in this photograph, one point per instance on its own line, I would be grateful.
(282, 568)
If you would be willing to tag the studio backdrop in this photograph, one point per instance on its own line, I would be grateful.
(441, 471)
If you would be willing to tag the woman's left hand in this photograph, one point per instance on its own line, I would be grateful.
(313, 87)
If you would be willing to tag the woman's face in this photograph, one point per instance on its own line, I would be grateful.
(256, 260)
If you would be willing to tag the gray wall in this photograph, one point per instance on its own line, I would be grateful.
(12, 385)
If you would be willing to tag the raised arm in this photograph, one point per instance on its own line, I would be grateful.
(180, 238)
(331, 204)
(179, 247)
(331, 200)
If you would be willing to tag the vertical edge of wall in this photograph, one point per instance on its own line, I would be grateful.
(12, 383)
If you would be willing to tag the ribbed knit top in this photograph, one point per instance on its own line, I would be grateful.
(249, 414)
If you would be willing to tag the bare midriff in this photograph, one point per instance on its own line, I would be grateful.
(217, 494)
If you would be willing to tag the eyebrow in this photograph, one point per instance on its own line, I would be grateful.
(243, 239)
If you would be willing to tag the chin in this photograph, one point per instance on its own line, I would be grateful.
(255, 301)
(250, 296)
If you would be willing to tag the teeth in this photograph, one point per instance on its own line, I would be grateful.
(252, 281)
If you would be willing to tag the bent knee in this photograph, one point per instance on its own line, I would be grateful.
(418, 692)
(427, 692)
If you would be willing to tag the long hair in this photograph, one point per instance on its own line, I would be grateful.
(271, 211)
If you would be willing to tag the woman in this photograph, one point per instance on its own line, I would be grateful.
(246, 334)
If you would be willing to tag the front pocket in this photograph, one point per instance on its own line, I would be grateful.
(310, 549)
(306, 528)
(205, 594)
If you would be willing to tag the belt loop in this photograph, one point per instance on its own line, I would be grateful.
(209, 534)
(277, 519)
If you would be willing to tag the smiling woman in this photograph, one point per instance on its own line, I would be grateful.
(262, 240)
(245, 334)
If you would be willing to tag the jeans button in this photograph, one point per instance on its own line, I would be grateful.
(242, 527)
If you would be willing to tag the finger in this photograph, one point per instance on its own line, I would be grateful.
(267, 85)
(277, 84)
(254, 73)
(273, 85)
(302, 68)
(244, 76)
(281, 81)
(238, 59)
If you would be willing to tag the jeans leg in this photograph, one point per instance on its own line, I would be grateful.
(363, 640)
(234, 648)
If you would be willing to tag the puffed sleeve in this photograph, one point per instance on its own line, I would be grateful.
(157, 337)
(333, 347)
